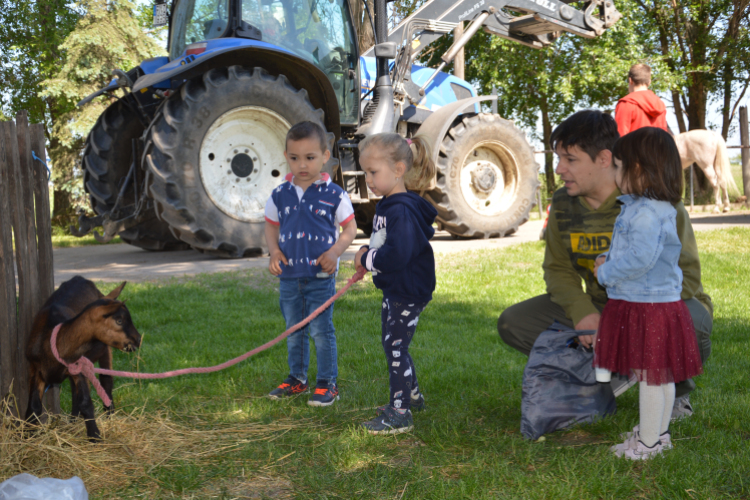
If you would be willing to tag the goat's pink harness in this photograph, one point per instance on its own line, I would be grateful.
(86, 367)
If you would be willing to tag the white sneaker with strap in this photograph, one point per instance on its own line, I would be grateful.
(666, 438)
(634, 449)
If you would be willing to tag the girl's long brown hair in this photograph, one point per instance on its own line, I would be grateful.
(651, 164)
(420, 169)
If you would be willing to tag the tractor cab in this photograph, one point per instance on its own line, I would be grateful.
(318, 31)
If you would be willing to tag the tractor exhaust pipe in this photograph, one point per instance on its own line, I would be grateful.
(382, 118)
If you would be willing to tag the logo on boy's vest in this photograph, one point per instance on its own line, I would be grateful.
(590, 243)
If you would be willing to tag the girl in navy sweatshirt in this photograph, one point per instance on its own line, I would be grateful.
(401, 261)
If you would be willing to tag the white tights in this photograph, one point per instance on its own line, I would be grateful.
(655, 403)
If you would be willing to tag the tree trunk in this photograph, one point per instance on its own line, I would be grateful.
(678, 111)
(365, 35)
(726, 110)
(697, 100)
(549, 168)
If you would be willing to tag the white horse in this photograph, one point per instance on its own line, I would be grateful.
(708, 150)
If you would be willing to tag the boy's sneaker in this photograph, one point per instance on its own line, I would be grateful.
(666, 438)
(417, 404)
(325, 395)
(634, 449)
(289, 387)
(390, 422)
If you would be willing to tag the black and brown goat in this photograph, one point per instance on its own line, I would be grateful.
(91, 324)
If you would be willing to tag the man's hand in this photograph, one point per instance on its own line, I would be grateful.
(599, 261)
(358, 258)
(273, 265)
(590, 322)
(327, 261)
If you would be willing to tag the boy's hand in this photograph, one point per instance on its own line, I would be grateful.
(276, 256)
(599, 261)
(327, 261)
(358, 258)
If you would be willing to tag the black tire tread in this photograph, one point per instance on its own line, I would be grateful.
(166, 178)
(106, 161)
(448, 219)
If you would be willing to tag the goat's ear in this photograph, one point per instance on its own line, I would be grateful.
(116, 292)
(108, 310)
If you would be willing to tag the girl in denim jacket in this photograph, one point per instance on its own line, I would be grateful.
(645, 327)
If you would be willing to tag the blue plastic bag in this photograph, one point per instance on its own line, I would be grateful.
(28, 487)
(559, 385)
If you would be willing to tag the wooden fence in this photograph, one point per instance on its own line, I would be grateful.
(26, 276)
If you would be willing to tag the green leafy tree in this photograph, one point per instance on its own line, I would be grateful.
(31, 35)
(107, 37)
(705, 41)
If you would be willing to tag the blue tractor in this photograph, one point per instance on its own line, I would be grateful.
(192, 151)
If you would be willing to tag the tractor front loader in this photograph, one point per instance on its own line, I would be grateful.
(192, 151)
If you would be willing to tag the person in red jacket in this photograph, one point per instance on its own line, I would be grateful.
(641, 107)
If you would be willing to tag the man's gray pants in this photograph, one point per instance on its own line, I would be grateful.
(521, 324)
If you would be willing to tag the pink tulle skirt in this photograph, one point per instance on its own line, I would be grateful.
(655, 341)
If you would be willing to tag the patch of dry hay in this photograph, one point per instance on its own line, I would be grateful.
(133, 446)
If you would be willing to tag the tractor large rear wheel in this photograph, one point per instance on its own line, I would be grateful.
(106, 159)
(215, 151)
(486, 178)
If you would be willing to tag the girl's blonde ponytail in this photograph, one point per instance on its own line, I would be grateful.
(421, 175)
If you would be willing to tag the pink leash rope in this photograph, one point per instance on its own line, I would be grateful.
(86, 367)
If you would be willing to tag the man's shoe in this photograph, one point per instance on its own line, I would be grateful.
(325, 394)
(289, 387)
(390, 422)
(417, 404)
(682, 408)
(666, 438)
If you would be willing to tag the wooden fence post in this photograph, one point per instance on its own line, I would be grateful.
(25, 251)
(8, 319)
(745, 152)
(44, 233)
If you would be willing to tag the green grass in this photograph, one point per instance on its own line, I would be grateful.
(61, 238)
(467, 444)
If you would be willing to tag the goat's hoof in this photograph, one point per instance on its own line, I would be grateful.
(109, 410)
(716, 210)
(726, 209)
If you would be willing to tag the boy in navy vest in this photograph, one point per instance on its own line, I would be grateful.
(303, 217)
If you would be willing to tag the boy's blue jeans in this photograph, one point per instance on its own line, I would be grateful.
(298, 298)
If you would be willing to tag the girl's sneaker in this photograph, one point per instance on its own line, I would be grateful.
(325, 394)
(289, 387)
(417, 404)
(390, 422)
(666, 438)
(634, 449)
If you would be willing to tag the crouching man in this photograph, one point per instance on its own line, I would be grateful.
(579, 228)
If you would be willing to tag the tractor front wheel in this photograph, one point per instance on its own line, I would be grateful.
(486, 178)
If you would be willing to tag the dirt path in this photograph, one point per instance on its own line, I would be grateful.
(125, 262)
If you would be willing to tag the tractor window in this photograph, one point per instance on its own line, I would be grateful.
(197, 20)
(317, 30)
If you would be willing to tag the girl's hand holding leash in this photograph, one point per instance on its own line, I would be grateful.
(358, 258)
